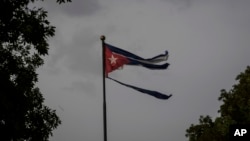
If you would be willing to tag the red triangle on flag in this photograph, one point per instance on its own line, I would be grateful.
(113, 61)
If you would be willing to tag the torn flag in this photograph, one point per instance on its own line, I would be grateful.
(115, 58)
(150, 92)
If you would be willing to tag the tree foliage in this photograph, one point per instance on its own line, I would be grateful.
(234, 110)
(23, 41)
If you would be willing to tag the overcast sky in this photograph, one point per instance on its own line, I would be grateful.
(208, 43)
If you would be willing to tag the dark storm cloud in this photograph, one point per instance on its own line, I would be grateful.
(88, 87)
(81, 7)
(75, 8)
(79, 55)
(180, 3)
(82, 56)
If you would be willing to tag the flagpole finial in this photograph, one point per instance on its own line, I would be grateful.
(102, 37)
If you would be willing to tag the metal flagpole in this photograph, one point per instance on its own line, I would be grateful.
(104, 90)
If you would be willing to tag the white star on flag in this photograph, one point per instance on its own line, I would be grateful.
(113, 59)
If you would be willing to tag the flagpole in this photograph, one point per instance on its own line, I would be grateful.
(104, 90)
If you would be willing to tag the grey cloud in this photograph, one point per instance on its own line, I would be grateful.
(60, 107)
(81, 7)
(180, 3)
(80, 55)
(87, 87)
(74, 8)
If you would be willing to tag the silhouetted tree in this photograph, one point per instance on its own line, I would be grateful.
(234, 110)
(23, 41)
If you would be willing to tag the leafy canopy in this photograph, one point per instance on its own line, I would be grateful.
(234, 110)
(23, 41)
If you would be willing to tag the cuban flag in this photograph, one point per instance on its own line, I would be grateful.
(115, 58)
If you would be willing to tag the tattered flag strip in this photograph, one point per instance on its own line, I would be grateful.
(116, 58)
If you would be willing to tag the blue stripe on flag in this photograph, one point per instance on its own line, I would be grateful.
(147, 65)
(149, 92)
(156, 59)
